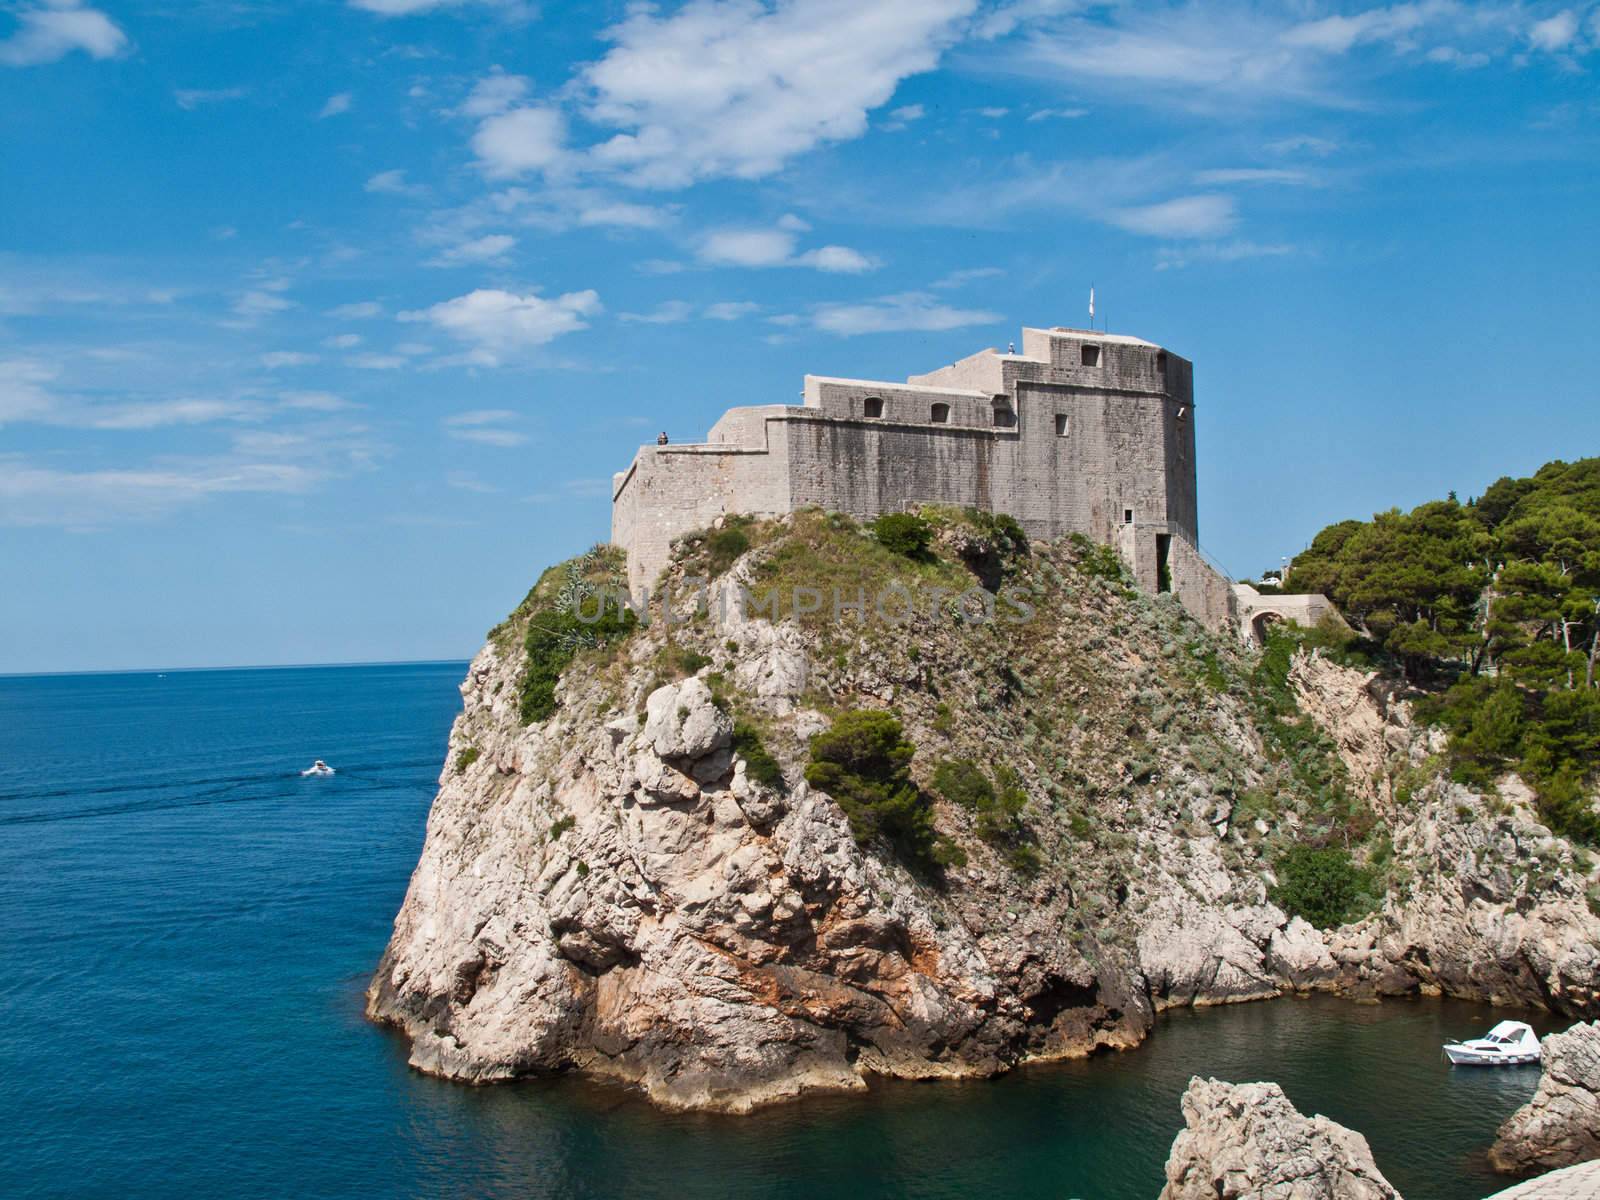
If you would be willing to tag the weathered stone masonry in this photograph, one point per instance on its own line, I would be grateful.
(1082, 432)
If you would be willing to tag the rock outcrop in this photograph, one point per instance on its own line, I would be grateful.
(1561, 1124)
(612, 888)
(1246, 1141)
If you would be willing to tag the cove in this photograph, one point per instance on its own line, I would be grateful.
(186, 927)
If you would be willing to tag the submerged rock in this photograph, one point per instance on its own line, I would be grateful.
(1561, 1124)
(1246, 1141)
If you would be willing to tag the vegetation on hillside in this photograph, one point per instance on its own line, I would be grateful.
(1494, 607)
(863, 760)
(552, 630)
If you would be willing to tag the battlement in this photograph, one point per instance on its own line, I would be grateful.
(1083, 431)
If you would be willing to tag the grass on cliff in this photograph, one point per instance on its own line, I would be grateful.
(575, 606)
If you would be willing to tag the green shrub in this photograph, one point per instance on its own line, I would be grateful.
(681, 660)
(467, 756)
(1321, 884)
(904, 533)
(863, 761)
(724, 546)
(554, 638)
(961, 781)
(561, 826)
(1097, 561)
(758, 762)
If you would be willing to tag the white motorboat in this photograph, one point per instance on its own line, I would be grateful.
(318, 768)
(1507, 1043)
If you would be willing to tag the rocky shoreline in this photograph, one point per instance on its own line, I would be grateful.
(613, 890)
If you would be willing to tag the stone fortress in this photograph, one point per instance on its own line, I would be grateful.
(1082, 432)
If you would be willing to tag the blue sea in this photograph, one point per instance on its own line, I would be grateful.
(187, 926)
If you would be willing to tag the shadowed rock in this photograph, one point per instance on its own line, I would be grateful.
(1245, 1141)
(1561, 1124)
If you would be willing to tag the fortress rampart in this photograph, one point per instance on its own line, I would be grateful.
(1083, 431)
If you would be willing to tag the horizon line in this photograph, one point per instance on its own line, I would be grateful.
(393, 662)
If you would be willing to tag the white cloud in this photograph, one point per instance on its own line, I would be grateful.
(1184, 217)
(190, 99)
(1554, 33)
(1303, 142)
(467, 482)
(888, 314)
(392, 183)
(1337, 34)
(738, 87)
(776, 248)
(1064, 114)
(287, 358)
(908, 112)
(493, 94)
(671, 312)
(967, 275)
(1458, 58)
(26, 396)
(1174, 258)
(489, 248)
(358, 311)
(622, 214)
(342, 341)
(52, 30)
(485, 427)
(339, 103)
(748, 247)
(993, 113)
(519, 141)
(1210, 57)
(376, 362)
(407, 8)
(731, 310)
(499, 324)
(314, 401)
(260, 302)
(837, 260)
(35, 495)
(23, 395)
(1227, 175)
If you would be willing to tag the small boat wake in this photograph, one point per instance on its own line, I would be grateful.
(1507, 1044)
(318, 768)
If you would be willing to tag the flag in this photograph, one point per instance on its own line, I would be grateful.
(1091, 302)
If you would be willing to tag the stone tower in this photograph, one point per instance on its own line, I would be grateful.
(1083, 431)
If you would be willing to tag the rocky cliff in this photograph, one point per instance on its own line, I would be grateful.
(1246, 1141)
(632, 877)
(1561, 1124)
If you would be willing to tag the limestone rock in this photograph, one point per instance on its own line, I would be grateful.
(1561, 1124)
(1246, 1141)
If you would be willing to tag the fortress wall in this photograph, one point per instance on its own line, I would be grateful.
(746, 426)
(1203, 590)
(865, 468)
(980, 372)
(673, 490)
(901, 402)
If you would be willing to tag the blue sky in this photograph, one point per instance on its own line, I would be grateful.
(323, 326)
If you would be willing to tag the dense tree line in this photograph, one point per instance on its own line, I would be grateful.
(1494, 605)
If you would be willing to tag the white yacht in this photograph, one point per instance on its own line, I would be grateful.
(1507, 1043)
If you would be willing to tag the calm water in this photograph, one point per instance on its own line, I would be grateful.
(186, 927)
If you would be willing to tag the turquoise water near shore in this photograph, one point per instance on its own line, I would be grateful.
(186, 927)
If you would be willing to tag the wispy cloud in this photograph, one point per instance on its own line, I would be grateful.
(670, 312)
(190, 99)
(891, 314)
(1183, 217)
(1178, 257)
(485, 427)
(53, 29)
(487, 249)
(778, 248)
(335, 105)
